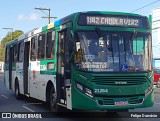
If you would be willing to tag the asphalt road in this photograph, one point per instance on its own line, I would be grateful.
(9, 104)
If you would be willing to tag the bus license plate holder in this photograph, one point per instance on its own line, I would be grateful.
(121, 103)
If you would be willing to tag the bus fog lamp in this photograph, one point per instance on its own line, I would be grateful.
(149, 90)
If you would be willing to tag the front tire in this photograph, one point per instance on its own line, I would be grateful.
(53, 101)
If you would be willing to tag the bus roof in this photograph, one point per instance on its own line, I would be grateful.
(12, 42)
(65, 20)
(69, 17)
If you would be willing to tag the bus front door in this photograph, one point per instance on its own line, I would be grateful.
(25, 66)
(63, 66)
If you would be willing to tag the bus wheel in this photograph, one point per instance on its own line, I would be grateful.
(17, 94)
(53, 101)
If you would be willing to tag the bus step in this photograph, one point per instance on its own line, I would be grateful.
(61, 105)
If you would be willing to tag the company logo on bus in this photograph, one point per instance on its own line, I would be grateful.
(120, 82)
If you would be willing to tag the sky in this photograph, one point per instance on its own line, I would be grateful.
(21, 15)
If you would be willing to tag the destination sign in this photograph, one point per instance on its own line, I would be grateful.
(113, 20)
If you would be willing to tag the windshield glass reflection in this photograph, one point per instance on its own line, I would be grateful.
(110, 51)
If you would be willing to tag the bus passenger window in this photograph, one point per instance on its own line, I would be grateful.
(7, 55)
(50, 44)
(21, 50)
(33, 49)
(41, 46)
(15, 53)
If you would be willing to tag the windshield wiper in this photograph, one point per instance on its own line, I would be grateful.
(130, 48)
(99, 33)
(133, 36)
(135, 68)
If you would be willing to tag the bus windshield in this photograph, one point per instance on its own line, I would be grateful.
(112, 51)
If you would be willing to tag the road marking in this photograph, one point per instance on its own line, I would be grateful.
(28, 108)
(4, 96)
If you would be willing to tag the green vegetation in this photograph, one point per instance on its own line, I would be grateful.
(7, 38)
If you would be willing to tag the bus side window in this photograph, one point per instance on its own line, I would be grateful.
(15, 54)
(7, 55)
(50, 45)
(33, 49)
(41, 46)
(21, 51)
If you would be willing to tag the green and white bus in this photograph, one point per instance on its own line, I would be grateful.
(88, 60)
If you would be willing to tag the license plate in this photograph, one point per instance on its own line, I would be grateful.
(121, 103)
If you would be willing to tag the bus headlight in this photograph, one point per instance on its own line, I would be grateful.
(80, 87)
(84, 89)
(149, 90)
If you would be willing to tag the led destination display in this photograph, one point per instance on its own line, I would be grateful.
(113, 20)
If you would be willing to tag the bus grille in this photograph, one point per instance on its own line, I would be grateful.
(118, 80)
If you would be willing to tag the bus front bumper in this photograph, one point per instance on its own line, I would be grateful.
(82, 101)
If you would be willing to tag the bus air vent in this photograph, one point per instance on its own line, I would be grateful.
(118, 80)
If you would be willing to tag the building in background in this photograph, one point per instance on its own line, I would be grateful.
(156, 45)
(156, 37)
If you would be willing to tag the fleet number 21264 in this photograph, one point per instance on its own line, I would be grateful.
(100, 90)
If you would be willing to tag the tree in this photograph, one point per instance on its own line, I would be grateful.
(7, 38)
